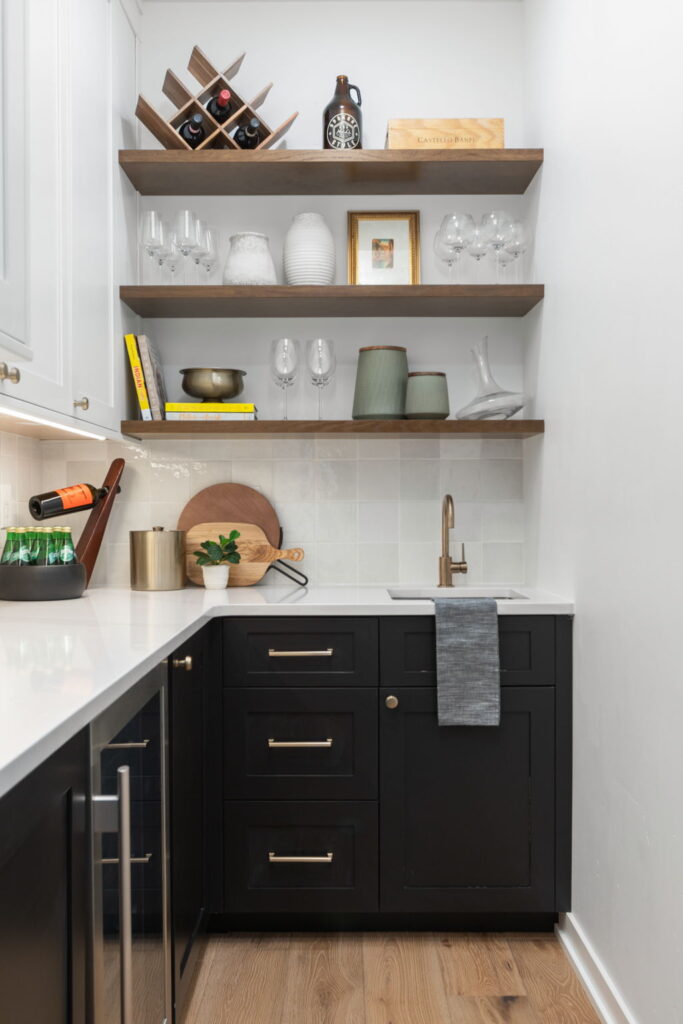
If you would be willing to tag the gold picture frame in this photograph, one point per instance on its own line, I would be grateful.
(380, 260)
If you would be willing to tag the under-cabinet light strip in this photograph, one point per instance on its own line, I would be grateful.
(51, 423)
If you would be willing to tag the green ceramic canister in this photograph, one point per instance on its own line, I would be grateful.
(381, 379)
(427, 396)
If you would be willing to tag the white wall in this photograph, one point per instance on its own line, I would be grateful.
(605, 487)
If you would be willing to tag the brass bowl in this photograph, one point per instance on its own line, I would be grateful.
(212, 384)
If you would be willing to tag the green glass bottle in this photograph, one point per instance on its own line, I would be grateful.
(53, 547)
(23, 551)
(10, 545)
(42, 546)
(67, 553)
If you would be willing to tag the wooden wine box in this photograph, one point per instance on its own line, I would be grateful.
(446, 133)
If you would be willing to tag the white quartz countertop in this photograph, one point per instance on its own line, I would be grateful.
(64, 662)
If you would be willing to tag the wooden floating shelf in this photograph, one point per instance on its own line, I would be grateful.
(334, 300)
(313, 172)
(484, 429)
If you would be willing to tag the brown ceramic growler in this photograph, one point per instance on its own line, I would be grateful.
(342, 119)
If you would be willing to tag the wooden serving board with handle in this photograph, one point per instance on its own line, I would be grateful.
(257, 553)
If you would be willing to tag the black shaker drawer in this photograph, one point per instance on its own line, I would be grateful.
(527, 650)
(334, 651)
(302, 856)
(300, 743)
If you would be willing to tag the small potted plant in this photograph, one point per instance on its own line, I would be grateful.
(216, 559)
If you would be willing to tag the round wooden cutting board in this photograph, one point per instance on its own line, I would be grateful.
(232, 503)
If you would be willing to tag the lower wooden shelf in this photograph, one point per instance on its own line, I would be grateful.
(489, 429)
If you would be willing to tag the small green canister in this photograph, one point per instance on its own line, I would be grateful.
(381, 379)
(427, 396)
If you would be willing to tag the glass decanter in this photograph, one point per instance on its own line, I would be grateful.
(491, 402)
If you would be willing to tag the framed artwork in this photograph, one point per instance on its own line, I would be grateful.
(384, 248)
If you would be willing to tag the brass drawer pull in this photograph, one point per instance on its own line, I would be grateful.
(133, 860)
(278, 744)
(131, 745)
(185, 663)
(327, 653)
(326, 858)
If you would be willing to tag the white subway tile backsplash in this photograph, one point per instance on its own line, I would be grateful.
(501, 479)
(378, 521)
(419, 480)
(336, 480)
(365, 510)
(378, 480)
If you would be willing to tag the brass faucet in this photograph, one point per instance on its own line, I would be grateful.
(446, 565)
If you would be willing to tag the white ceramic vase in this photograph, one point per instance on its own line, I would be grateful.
(215, 576)
(309, 255)
(249, 260)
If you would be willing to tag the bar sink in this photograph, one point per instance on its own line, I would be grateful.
(429, 593)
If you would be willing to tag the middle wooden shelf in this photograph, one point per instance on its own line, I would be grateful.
(423, 300)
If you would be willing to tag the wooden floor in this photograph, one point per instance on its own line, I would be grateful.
(385, 978)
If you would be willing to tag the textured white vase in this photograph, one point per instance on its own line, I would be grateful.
(249, 260)
(309, 256)
(215, 576)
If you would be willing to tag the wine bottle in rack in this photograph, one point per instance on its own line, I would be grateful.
(219, 106)
(247, 136)
(75, 498)
(193, 130)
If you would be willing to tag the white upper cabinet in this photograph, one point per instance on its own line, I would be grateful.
(60, 323)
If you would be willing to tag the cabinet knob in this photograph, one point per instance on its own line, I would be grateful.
(11, 373)
(391, 702)
(185, 663)
(82, 403)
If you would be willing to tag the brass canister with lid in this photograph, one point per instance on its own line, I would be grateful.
(157, 559)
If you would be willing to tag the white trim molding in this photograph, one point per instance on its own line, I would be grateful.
(601, 990)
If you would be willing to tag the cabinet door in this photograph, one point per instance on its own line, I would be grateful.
(467, 814)
(187, 810)
(43, 893)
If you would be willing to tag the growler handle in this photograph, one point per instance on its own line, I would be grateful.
(359, 100)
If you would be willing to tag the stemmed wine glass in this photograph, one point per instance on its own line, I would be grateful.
(284, 364)
(321, 364)
(497, 227)
(516, 247)
(452, 238)
(151, 233)
(186, 233)
(174, 257)
(478, 245)
(209, 256)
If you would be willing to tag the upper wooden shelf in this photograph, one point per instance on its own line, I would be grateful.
(485, 429)
(313, 172)
(334, 300)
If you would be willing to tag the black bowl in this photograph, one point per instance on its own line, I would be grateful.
(42, 582)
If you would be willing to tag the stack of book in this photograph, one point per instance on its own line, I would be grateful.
(195, 411)
(148, 379)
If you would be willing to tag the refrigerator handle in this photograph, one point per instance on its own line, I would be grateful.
(125, 895)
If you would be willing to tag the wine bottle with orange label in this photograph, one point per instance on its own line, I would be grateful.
(76, 498)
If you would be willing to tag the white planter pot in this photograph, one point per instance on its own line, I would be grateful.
(249, 260)
(215, 576)
(309, 254)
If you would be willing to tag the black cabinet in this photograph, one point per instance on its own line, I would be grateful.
(187, 692)
(467, 814)
(44, 892)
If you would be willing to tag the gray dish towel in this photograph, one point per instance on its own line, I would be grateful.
(467, 661)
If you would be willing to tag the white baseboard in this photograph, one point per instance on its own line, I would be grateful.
(601, 990)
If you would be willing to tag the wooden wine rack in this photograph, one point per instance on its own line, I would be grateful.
(187, 103)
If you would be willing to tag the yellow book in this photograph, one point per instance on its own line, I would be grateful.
(210, 407)
(138, 375)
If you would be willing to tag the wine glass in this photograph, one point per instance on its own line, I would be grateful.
(452, 238)
(209, 256)
(321, 364)
(163, 249)
(150, 233)
(478, 245)
(497, 225)
(284, 364)
(174, 258)
(186, 232)
(517, 245)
